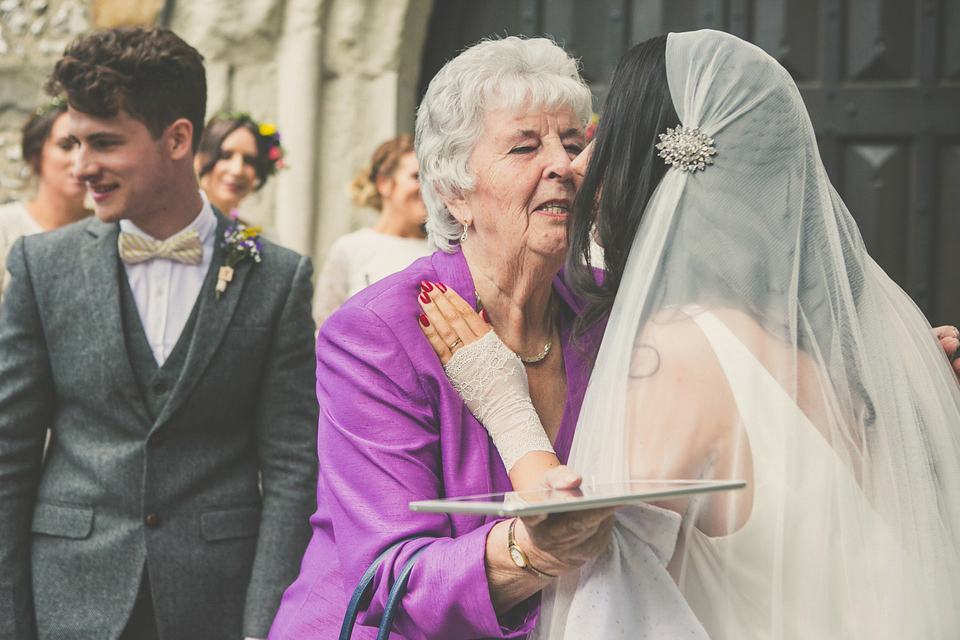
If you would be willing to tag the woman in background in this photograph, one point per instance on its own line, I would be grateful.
(390, 185)
(235, 157)
(49, 152)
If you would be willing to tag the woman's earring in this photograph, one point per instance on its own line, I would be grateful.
(463, 236)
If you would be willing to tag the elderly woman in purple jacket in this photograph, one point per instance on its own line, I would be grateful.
(496, 134)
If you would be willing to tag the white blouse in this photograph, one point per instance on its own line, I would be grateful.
(359, 259)
(14, 222)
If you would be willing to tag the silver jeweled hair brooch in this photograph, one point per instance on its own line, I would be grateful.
(686, 149)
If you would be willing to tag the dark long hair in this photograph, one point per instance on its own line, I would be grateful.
(217, 130)
(37, 129)
(623, 173)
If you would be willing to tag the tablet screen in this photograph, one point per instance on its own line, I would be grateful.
(588, 496)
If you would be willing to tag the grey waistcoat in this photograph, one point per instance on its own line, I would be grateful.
(154, 382)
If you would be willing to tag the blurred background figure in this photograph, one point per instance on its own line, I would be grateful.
(235, 157)
(391, 185)
(49, 152)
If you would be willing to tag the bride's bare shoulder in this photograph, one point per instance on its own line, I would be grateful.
(674, 353)
(679, 399)
(675, 336)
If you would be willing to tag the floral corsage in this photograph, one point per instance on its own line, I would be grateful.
(239, 243)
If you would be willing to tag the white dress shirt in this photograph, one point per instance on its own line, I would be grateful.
(166, 290)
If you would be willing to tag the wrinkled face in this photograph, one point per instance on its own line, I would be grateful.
(524, 182)
(56, 161)
(401, 192)
(127, 171)
(233, 176)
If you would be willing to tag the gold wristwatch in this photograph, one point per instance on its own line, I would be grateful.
(520, 558)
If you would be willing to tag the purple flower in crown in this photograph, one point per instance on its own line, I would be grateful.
(269, 131)
(269, 136)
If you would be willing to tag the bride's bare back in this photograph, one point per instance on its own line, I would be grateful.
(683, 420)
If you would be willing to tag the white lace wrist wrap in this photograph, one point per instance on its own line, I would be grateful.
(492, 381)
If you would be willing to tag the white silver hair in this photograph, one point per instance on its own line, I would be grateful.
(514, 73)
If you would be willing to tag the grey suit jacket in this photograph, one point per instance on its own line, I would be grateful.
(117, 490)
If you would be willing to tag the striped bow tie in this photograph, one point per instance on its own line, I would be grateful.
(184, 247)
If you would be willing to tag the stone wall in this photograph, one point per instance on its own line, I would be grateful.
(336, 76)
(33, 34)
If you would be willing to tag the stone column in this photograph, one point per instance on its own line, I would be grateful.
(371, 63)
(299, 69)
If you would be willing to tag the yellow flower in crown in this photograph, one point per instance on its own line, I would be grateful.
(267, 129)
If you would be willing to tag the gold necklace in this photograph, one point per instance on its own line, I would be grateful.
(546, 348)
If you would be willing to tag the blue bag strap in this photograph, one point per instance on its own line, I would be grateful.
(350, 617)
(393, 599)
(396, 593)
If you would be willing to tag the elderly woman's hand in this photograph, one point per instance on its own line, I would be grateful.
(490, 378)
(447, 321)
(552, 544)
(561, 542)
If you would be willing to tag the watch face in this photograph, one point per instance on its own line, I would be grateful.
(517, 556)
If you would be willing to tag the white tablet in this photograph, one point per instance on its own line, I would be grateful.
(588, 496)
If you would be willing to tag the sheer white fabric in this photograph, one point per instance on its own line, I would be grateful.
(753, 338)
(493, 383)
(625, 593)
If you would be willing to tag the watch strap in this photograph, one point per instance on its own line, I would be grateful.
(524, 561)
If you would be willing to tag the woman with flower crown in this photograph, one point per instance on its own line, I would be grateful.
(48, 151)
(391, 186)
(235, 157)
(748, 336)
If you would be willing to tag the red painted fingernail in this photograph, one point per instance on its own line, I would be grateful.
(424, 321)
(442, 287)
(483, 314)
(425, 286)
(425, 298)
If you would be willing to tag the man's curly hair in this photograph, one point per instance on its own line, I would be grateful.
(149, 72)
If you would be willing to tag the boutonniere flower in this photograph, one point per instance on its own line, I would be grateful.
(239, 243)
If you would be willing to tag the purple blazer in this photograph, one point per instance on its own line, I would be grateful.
(392, 430)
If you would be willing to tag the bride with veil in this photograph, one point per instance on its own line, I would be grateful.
(749, 336)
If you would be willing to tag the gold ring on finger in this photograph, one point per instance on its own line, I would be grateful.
(455, 343)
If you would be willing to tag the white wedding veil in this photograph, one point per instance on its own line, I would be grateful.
(752, 337)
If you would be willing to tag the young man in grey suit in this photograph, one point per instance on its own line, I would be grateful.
(174, 497)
